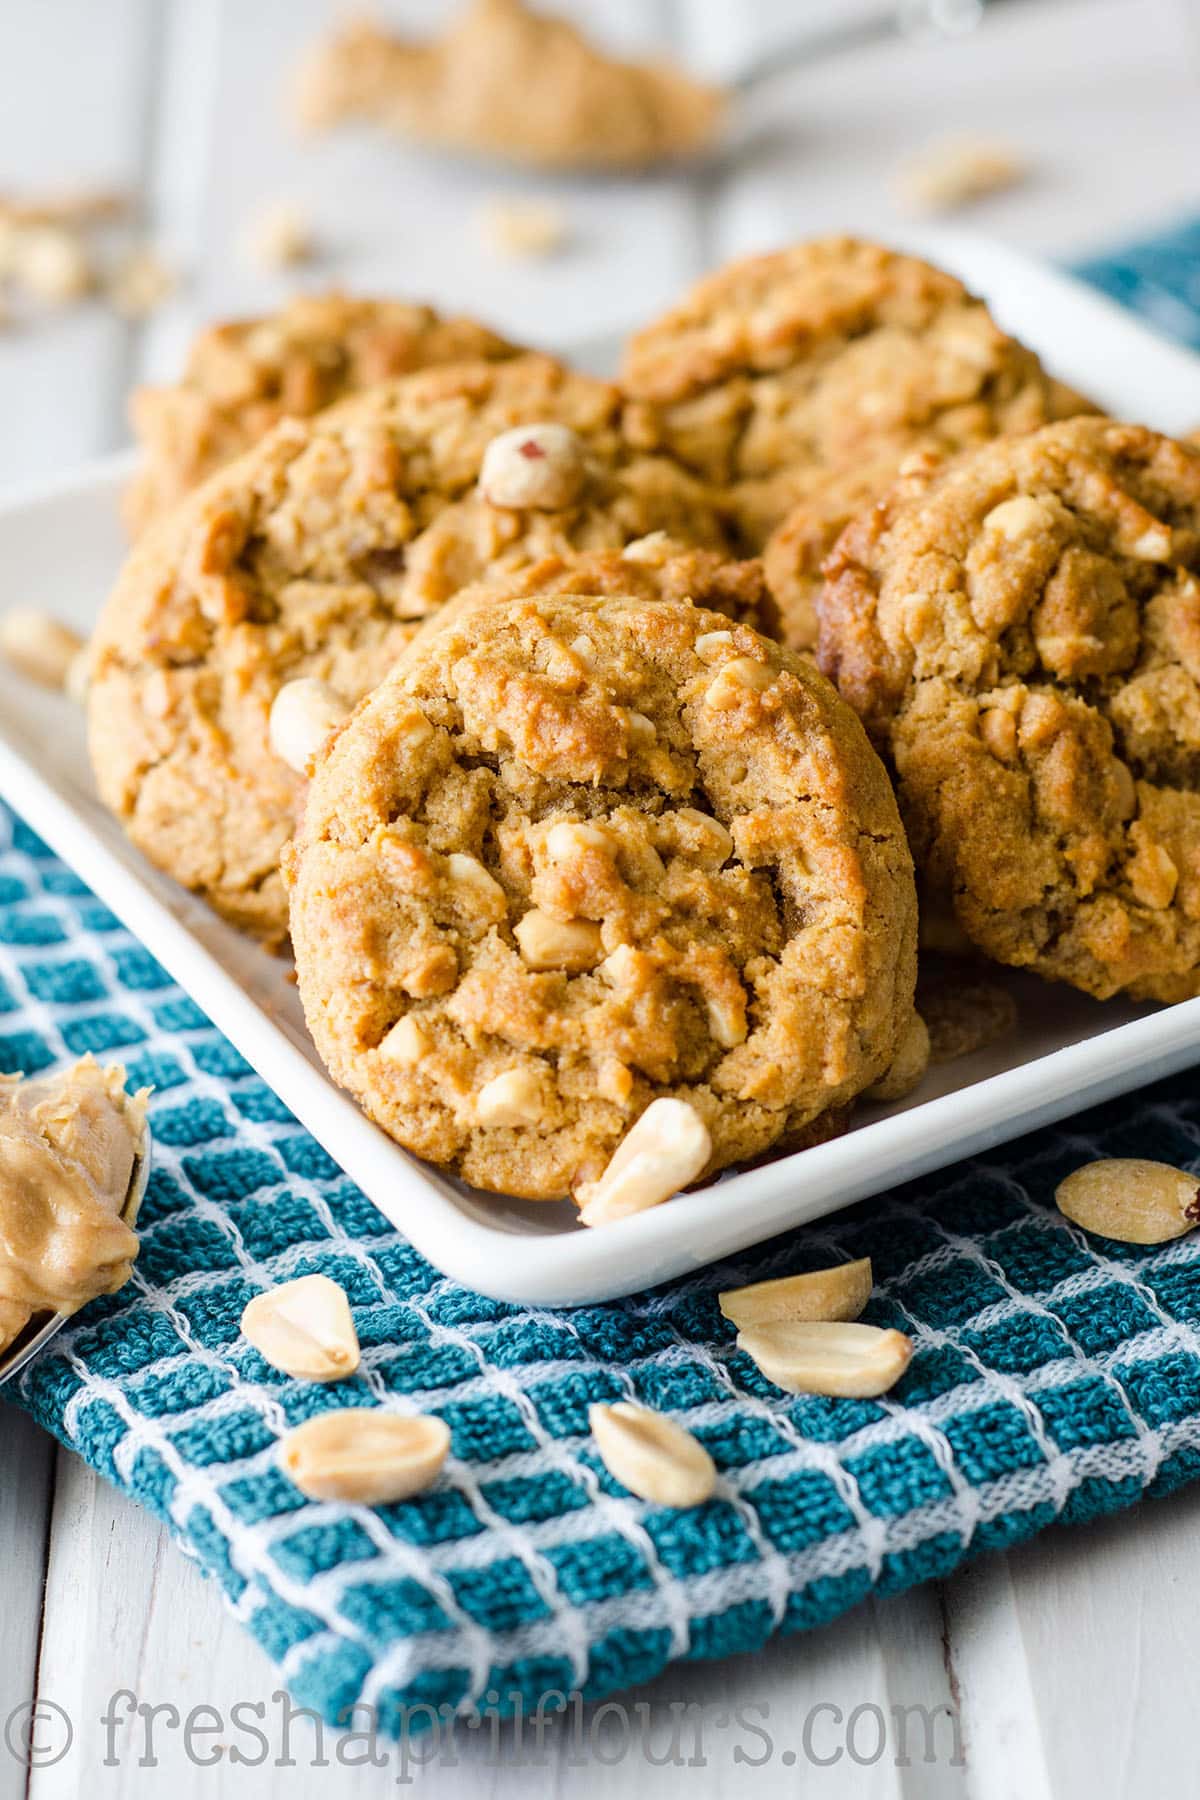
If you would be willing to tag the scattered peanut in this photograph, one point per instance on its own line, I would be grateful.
(78, 676)
(856, 1362)
(280, 238)
(827, 1295)
(139, 284)
(664, 1150)
(304, 1328)
(953, 173)
(52, 264)
(303, 714)
(39, 646)
(652, 1456)
(1131, 1201)
(524, 228)
(539, 466)
(361, 1453)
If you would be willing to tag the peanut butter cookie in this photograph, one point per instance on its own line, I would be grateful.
(242, 377)
(584, 863)
(317, 555)
(1021, 632)
(799, 382)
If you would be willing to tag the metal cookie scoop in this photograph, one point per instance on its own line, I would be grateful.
(43, 1326)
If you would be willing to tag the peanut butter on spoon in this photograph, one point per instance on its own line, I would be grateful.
(507, 82)
(69, 1146)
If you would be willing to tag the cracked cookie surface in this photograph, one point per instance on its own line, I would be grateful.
(579, 853)
(1021, 632)
(318, 554)
(799, 382)
(244, 376)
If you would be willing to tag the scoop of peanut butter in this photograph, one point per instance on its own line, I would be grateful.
(511, 83)
(69, 1142)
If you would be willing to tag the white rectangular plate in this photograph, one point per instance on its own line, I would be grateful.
(59, 550)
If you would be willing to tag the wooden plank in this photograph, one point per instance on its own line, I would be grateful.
(391, 218)
(151, 1624)
(26, 1464)
(69, 121)
(1107, 1616)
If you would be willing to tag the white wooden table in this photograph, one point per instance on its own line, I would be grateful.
(1072, 1662)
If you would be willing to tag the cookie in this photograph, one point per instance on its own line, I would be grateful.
(799, 381)
(577, 855)
(1021, 632)
(242, 377)
(317, 555)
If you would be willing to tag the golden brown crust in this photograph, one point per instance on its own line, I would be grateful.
(246, 375)
(800, 381)
(318, 553)
(687, 814)
(1022, 633)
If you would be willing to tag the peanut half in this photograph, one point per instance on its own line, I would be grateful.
(856, 1362)
(540, 465)
(303, 714)
(822, 1294)
(38, 646)
(1131, 1201)
(652, 1456)
(304, 1328)
(664, 1150)
(361, 1453)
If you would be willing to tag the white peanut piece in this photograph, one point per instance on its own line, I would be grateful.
(735, 679)
(820, 1295)
(38, 646)
(664, 1150)
(1131, 1201)
(652, 1456)
(570, 839)
(362, 1453)
(540, 466)
(711, 645)
(851, 1361)
(549, 943)
(303, 713)
(304, 1328)
(406, 1043)
(514, 1098)
(476, 885)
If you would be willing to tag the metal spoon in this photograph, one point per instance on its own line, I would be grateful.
(35, 1337)
(915, 19)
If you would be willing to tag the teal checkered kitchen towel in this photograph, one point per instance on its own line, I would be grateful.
(1054, 1378)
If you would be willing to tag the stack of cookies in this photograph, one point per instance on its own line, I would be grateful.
(492, 685)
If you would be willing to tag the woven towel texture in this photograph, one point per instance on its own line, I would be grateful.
(1054, 1377)
(1049, 1381)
